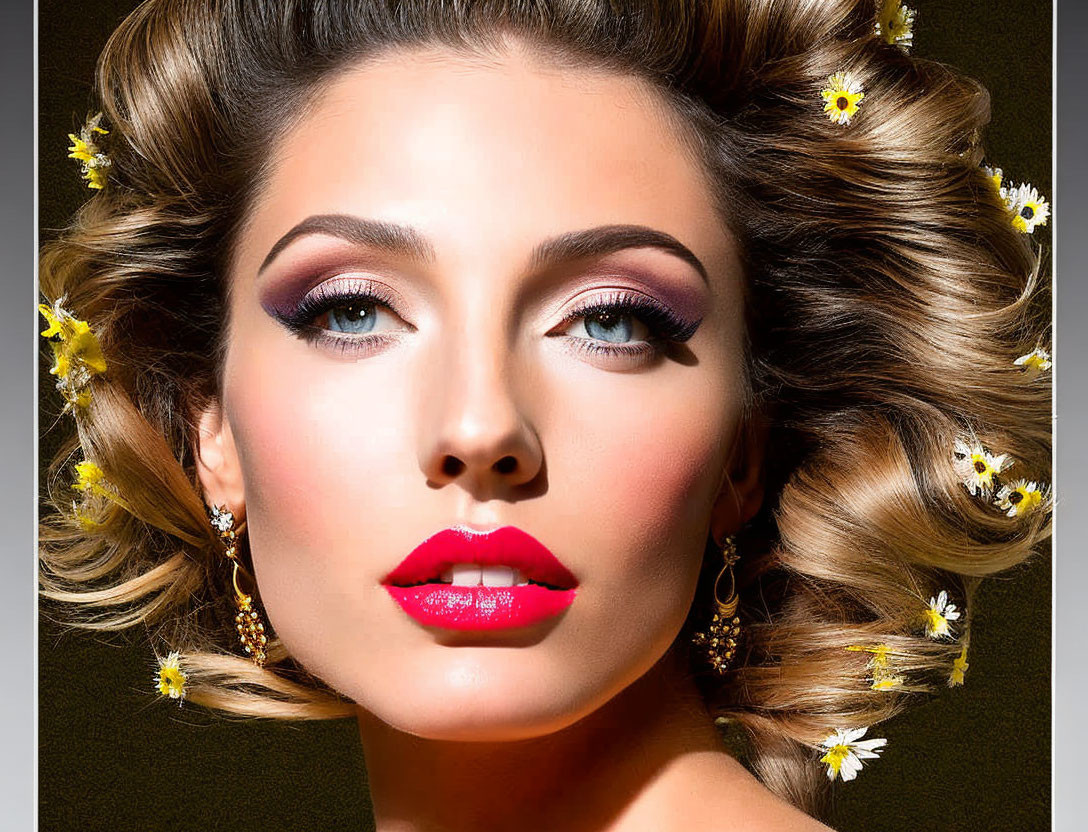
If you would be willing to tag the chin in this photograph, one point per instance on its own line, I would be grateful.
(470, 701)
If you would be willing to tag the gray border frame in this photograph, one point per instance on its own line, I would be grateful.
(18, 415)
(1070, 657)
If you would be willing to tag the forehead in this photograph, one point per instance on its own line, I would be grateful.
(498, 151)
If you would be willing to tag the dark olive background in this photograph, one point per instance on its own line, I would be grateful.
(112, 755)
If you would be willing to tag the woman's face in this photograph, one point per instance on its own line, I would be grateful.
(496, 181)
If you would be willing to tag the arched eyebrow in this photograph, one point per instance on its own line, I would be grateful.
(384, 236)
(605, 239)
(408, 242)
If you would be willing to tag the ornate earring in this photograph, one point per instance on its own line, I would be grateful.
(720, 641)
(248, 621)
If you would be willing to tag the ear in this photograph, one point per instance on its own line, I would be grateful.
(741, 492)
(217, 461)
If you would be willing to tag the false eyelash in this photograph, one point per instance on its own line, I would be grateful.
(664, 324)
(322, 300)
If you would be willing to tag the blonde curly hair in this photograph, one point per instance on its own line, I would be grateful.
(887, 295)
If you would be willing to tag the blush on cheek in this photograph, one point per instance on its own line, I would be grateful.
(653, 469)
(313, 466)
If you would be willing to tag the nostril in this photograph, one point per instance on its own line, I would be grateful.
(452, 466)
(506, 465)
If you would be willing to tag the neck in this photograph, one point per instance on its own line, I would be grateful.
(634, 762)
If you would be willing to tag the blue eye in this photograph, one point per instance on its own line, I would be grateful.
(611, 320)
(608, 326)
(356, 317)
(336, 315)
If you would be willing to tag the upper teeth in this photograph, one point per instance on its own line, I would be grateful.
(471, 574)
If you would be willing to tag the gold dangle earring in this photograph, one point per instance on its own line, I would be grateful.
(248, 621)
(720, 641)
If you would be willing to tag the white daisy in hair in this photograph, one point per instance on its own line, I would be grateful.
(846, 750)
(1035, 361)
(170, 678)
(1021, 497)
(842, 97)
(1028, 208)
(895, 24)
(938, 614)
(976, 466)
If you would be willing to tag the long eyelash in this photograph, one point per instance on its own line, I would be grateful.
(664, 324)
(300, 319)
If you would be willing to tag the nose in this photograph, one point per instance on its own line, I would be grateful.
(480, 433)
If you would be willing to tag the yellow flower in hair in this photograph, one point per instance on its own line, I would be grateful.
(880, 653)
(1021, 497)
(88, 523)
(937, 615)
(846, 750)
(976, 466)
(77, 355)
(1035, 361)
(170, 678)
(842, 97)
(90, 479)
(55, 319)
(883, 677)
(82, 345)
(995, 178)
(1028, 208)
(959, 667)
(895, 24)
(92, 160)
(886, 682)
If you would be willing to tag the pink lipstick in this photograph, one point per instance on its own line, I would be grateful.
(439, 583)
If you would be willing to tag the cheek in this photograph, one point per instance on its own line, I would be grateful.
(644, 468)
(634, 480)
(323, 460)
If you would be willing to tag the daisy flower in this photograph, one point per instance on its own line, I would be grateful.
(842, 97)
(937, 615)
(1036, 361)
(895, 24)
(959, 667)
(846, 750)
(995, 178)
(976, 466)
(1029, 209)
(90, 156)
(170, 679)
(1021, 497)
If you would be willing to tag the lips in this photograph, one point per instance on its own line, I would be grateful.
(415, 583)
(508, 546)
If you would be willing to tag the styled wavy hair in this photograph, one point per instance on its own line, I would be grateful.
(887, 296)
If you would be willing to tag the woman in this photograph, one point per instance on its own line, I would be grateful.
(550, 278)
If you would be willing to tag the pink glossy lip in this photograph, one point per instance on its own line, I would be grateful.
(481, 607)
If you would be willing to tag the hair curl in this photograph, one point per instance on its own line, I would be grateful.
(887, 294)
